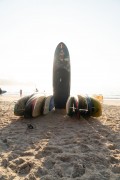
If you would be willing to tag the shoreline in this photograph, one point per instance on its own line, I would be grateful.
(115, 102)
(12, 97)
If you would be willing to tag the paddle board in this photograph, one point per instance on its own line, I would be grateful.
(61, 76)
(82, 104)
(97, 111)
(19, 108)
(71, 106)
(49, 104)
(30, 105)
(90, 106)
(38, 106)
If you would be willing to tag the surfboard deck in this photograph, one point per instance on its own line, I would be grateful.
(30, 105)
(97, 107)
(61, 76)
(19, 108)
(71, 106)
(49, 104)
(38, 106)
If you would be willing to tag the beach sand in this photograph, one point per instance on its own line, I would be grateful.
(59, 147)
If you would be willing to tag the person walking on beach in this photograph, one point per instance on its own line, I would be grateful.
(36, 90)
(20, 92)
(0, 91)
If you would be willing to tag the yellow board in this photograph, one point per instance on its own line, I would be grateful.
(99, 97)
(97, 107)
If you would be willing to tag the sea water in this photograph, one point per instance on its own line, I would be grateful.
(27, 90)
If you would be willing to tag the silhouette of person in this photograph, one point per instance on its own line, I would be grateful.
(36, 90)
(20, 92)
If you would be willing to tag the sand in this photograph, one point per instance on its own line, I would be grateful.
(59, 147)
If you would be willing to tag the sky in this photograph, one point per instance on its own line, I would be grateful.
(30, 30)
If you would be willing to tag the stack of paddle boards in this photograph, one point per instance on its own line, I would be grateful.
(83, 105)
(34, 105)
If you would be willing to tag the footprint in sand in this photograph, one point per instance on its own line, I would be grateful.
(105, 174)
(69, 170)
(4, 162)
(49, 163)
(85, 148)
(48, 177)
(27, 153)
(25, 168)
(13, 166)
(42, 171)
(30, 176)
(114, 160)
(58, 171)
(111, 146)
(78, 170)
(47, 151)
(116, 168)
(65, 157)
(19, 161)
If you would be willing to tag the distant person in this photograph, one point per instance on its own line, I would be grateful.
(36, 90)
(0, 90)
(44, 92)
(20, 92)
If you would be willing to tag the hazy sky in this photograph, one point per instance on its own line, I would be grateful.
(31, 29)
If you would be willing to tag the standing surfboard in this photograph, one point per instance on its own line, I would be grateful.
(61, 76)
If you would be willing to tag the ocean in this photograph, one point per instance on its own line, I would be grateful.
(27, 90)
